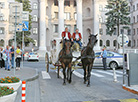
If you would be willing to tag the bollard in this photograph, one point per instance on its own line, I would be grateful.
(23, 90)
(115, 77)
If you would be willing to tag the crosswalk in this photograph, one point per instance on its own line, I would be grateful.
(79, 73)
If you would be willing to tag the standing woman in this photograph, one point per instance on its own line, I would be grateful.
(1, 55)
(18, 58)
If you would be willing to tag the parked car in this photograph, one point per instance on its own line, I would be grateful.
(114, 60)
(32, 56)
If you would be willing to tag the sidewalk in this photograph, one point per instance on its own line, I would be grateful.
(132, 88)
(27, 74)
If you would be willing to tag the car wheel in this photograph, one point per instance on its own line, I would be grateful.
(113, 65)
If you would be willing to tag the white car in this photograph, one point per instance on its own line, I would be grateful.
(114, 60)
(33, 56)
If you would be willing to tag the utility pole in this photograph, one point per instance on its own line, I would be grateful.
(15, 39)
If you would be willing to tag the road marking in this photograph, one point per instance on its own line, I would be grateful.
(97, 75)
(108, 73)
(78, 74)
(45, 75)
(119, 72)
(60, 74)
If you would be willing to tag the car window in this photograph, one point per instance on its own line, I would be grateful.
(110, 54)
(31, 53)
(98, 54)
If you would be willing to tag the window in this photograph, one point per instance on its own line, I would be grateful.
(110, 54)
(134, 43)
(134, 19)
(75, 16)
(2, 5)
(134, 32)
(2, 42)
(137, 18)
(137, 31)
(114, 31)
(114, 43)
(100, 7)
(35, 18)
(35, 6)
(35, 43)
(137, 6)
(101, 31)
(129, 8)
(56, 2)
(34, 30)
(100, 19)
(122, 31)
(75, 4)
(108, 43)
(75, 26)
(67, 16)
(10, 42)
(129, 31)
(69, 27)
(98, 54)
(137, 42)
(67, 3)
(129, 44)
(56, 15)
(129, 20)
(55, 28)
(2, 30)
(133, 7)
(101, 43)
(1, 17)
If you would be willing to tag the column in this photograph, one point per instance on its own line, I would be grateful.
(42, 46)
(96, 23)
(79, 17)
(60, 17)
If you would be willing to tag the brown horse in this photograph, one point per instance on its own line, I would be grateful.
(65, 57)
(87, 58)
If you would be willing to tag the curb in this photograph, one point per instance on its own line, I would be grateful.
(130, 89)
(36, 76)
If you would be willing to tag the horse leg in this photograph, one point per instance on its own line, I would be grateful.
(70, 72)
(84, 68)
(64, 73)
(89, 74)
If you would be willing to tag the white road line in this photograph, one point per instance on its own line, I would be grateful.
(78, 74)
(97, 75)
(120, 72)
(45, 75)
(60, 74)
(108, 73)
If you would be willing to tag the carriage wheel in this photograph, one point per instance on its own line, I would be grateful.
(47, 62)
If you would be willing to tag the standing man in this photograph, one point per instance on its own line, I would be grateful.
(77, 37)
(7, 52)
(104, 56)
(12, 56)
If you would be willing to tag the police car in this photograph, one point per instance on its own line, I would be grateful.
(114, 60)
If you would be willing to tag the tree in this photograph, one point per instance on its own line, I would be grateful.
(27, 39)
(117, 15)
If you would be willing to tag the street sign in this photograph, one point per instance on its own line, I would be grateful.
(25, 25)
(126, 39)
(19, 28)
(25, 16)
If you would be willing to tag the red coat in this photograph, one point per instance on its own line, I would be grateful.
(64, 34)
(74, 35)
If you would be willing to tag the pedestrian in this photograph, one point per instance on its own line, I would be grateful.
(18, 58)
(12, 56)
(7, 62)
(104, 57)
(1, 55)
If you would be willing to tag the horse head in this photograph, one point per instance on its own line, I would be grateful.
(68, 45)
(92, 39)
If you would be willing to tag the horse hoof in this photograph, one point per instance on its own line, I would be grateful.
(84, 82)
(88, 85)
(64, 83)
(69, 81)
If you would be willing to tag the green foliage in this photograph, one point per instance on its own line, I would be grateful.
(117, 15)
(9, 80)
(27, 39)
(6, 91)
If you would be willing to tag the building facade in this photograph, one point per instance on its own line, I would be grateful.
(50, 17)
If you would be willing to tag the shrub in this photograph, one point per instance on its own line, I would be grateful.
(6, 91)
(9, 80)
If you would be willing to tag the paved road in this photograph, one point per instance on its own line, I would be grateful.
(48, 88)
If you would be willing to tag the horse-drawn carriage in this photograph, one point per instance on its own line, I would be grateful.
(62, 57)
